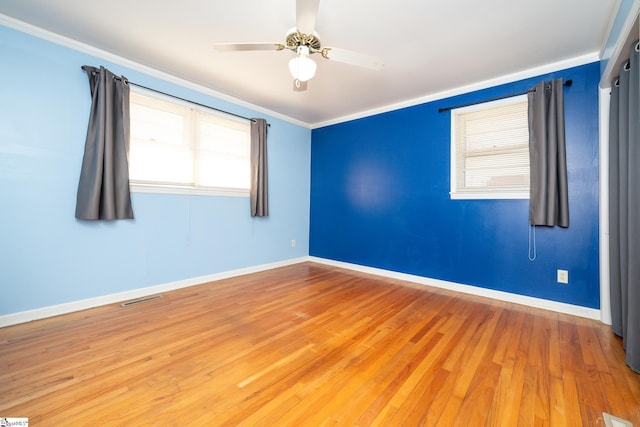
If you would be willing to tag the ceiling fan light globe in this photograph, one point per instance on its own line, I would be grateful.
(302, 67)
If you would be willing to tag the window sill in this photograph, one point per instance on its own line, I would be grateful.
(174, 189)
(488, 196)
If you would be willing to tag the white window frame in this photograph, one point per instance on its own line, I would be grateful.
(483, 193)
(164, 188)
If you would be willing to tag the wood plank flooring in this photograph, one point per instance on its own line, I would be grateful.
(314, 345)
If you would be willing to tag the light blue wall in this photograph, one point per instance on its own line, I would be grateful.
(621, 16)
(47, 257)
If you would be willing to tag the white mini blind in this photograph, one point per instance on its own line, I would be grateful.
(223, 152)
(161, 148)
(490, 149)
(176, 145)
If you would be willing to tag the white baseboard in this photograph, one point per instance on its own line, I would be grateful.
(560, 307)
(56, 310)
(69, 307)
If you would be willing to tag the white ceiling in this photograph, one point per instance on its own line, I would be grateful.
(428, 47)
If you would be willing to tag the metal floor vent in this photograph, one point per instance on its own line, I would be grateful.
(140, 301)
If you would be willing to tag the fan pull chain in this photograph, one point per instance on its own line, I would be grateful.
(532, 232)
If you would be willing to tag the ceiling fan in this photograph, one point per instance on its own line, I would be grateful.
(304, 41)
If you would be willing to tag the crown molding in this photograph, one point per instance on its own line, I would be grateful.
(508, 78)
(90, 50)
(61, 40)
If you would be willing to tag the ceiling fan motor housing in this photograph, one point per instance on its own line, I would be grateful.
(296, 38)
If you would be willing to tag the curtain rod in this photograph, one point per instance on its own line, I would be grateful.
(85, 67)
(441, 110)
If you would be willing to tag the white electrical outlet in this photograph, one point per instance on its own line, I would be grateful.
(563, 276)
(293, 243)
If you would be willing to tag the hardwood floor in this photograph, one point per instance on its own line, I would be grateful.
(315, 345)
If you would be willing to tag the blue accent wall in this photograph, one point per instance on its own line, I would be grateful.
(380, 198)
(47, 257)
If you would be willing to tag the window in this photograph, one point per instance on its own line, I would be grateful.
(181, 147)
(490, 150)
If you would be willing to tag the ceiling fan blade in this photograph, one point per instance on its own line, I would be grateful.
(352, 58)
(306, 12)
(299, 86)
(235, 47)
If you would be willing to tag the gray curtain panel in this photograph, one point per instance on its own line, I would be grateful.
(624, 206)
(259, 193)
(103, 189)
(549, 196)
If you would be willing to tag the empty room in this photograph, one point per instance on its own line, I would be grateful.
(314, 212)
